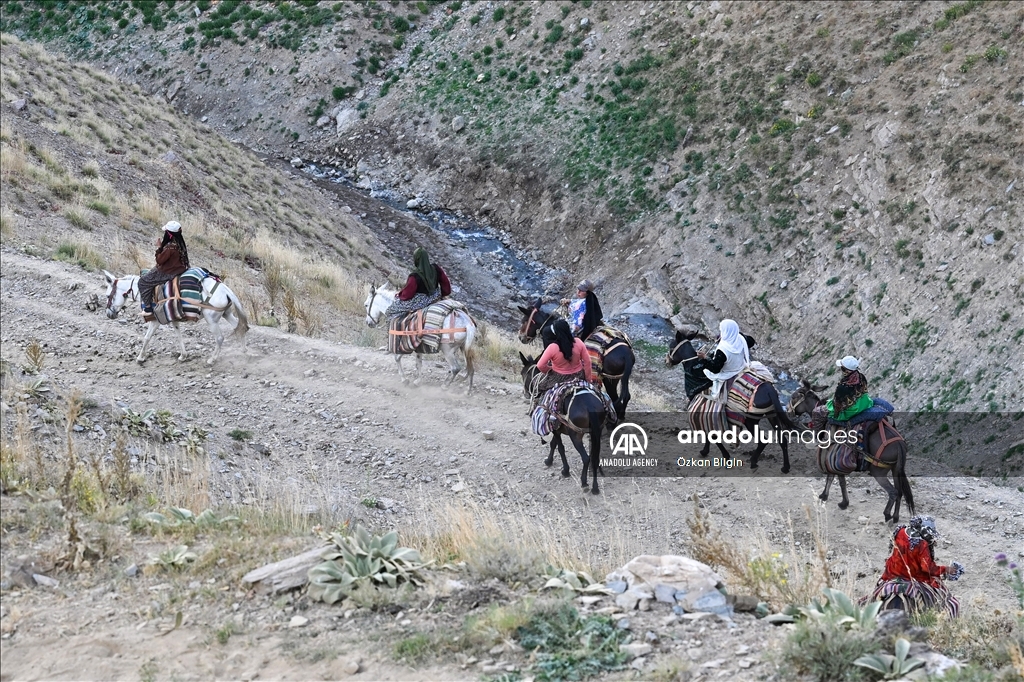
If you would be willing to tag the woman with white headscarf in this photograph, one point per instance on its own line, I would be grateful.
(730, 358)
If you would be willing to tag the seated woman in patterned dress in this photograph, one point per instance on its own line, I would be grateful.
(911, 577)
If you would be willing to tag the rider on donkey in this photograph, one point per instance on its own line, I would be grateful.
(427, 284)
(730, 358)
(911, 577)
(851, 403)
(564, 359)
(584, 310)
(171, 261)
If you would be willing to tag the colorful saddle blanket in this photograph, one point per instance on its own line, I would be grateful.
(181, 299)
(709, 415)
(846, 458)
(414, 328)
(600, 342)
(744, 387)
(842, 458)
(554, 403)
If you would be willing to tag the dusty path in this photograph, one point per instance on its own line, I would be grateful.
(332, 427)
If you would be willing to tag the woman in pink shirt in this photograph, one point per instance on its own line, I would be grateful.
(564, 360)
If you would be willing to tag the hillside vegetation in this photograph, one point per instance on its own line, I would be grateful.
(92, 168)
(841, 178)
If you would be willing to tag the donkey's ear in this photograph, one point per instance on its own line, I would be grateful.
(523, 358)
(109, 277)
(679, 336)
(524, 310)
(819, 389)
(806, 384)
(538, 303)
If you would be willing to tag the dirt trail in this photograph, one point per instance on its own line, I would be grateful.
(333, 426)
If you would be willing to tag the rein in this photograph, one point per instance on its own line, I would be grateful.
(113, 292)
(525, 329)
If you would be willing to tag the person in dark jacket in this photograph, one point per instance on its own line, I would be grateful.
(427, 284)
(171, 261)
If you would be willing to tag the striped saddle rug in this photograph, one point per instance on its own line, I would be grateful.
(555, 402)
(181, 299)
(842, 458)
(708, 415)
(744, 387)
(600, 342)
(411, 333)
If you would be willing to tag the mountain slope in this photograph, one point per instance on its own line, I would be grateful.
(839, 178)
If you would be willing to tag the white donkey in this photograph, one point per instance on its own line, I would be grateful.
(220, 302)
(380, 299)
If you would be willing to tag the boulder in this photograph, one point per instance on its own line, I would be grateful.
(682, 573)
(345, 119)
(458, 123)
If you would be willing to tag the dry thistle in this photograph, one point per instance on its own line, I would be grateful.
(35, 356)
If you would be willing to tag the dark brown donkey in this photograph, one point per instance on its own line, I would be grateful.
(617, 361)
(881, 456)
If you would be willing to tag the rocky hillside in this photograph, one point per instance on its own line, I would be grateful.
(839, 178)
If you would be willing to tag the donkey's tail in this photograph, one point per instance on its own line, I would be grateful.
(243, 321)
(467, 348)
(900, 477)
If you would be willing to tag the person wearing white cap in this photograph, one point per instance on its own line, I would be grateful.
(171, 260)
(851, 397)
(584, 311)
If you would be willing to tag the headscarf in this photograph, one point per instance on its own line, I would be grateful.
(731, 341)
(592, 316)
(564, 338)
(426, 271)
(174, 235)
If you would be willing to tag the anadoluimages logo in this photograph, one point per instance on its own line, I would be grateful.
(628, 439)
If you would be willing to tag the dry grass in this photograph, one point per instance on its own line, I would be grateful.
(501, 348)
(790, 575)
(13, 161)
(7, 222)
(150, 209)
(482, 533)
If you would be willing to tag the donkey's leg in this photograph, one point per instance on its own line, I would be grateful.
(828, 485)
(468, 352)
(881, 475)
(181, 341)
(577, 442)
(145, 341)
(551, 453)
(419, 370)
(218, 334)
(561, 452)
(842, 486)
(453, 362)
(401, 374)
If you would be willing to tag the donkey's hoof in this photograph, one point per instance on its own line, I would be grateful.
(595, 491)
(785, 469)
(823, 497)
(549, 462)
(565, 473)
(140, 360)
(844, 505)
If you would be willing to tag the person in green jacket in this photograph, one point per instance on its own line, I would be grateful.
(851, 396)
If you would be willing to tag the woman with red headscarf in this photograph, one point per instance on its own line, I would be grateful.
(911, 579)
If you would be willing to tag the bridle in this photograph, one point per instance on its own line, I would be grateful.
(113, 292)
(672, 353)
(369, 307)
(525, 329)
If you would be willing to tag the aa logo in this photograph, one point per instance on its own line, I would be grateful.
(628, 439)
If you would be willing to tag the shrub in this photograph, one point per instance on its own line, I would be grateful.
(814, 79)
(826, 650)
(363, 558)
(499, 558)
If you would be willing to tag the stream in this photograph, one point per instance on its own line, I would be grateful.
(521, 277)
